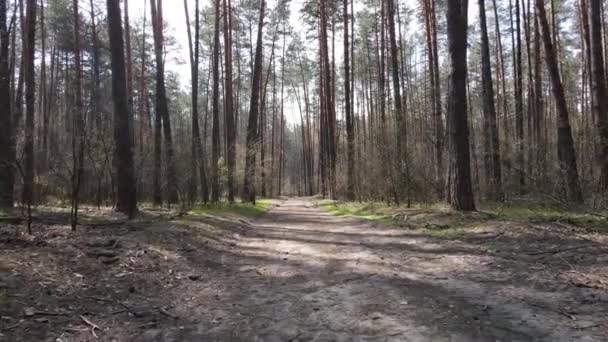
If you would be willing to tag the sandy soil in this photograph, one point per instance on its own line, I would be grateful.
(301, 274)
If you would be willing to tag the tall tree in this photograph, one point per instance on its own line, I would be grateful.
(350, 132)
(162, 107)
(330, 111)
(126, 196)
(600, 96)
(491, 143)
(399, 113)
(519, 107)
(30, 100)
(252, 125)
(229, 102)
(77, 122)
(6, 122)
(565, 143)
(196, 149)
(215, 131)
(459, 188)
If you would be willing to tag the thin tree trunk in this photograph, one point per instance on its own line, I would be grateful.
(162, 106)
(350, 133)
(30, 85)
(215, 141)
(492, 148)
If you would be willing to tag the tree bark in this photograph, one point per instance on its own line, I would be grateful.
(7, 177)
(229, 102)
(215, 130)
(492, 148)
(600, 96)
(565, 143)
(252, 125)
(350, 133)
(126, 199)
(30, 93)
(459, 189)
(162, 107)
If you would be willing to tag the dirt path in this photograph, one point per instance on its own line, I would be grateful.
(301, 274)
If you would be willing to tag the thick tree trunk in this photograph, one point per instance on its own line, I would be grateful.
(600, 96)
(459, 189)
(252, 126)
(565, 143)
(126, 199)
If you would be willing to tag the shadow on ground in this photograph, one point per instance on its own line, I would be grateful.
(300, 274)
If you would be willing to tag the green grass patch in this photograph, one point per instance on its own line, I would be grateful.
(548, 213)
(372, 211)
(238, 209)
(4, 300)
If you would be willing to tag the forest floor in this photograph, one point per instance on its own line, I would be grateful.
(306, 270)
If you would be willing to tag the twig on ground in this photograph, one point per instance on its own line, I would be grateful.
(11, 327)
(560, 250)
(167, 313)
(100, 299)
(45, 313)
(92, 325)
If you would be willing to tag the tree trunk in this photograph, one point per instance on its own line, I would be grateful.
(162, 107)
(459, 189)
(196, 149)
(215, 131)
(229, 102)
(565, 143)
(252, 126)
(126, 199)
(6, 123)
(600, 96)
(30, 90)
(350, 133)
(519, 109)
(491, 143)
(329, 105)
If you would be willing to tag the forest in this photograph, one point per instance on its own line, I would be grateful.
(303, 170)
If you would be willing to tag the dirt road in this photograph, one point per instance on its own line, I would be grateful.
(300, 274)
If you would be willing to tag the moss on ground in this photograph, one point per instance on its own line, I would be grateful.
(239, 209)
(539, 213)
(448, 224)
(373, 211)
